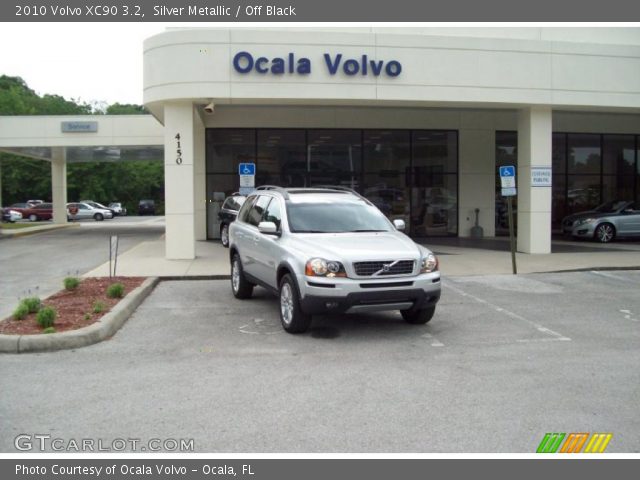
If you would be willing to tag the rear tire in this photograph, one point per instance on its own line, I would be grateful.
(240, 286)
(418, 317)
(33, 217)
(293, 319)
(605, 233)
(224, 235)
(98, 217)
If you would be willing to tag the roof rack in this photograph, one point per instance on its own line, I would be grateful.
(343, 189)
(284, 193)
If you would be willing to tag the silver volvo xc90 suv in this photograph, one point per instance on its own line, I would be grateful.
(329, 250)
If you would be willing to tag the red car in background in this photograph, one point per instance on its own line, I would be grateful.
(42, 211)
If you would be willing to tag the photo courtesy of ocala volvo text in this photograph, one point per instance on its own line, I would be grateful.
(325, 250)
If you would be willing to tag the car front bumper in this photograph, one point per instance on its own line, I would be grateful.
(346, 295)
(586, 230)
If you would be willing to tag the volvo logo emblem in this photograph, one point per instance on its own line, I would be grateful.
(386, 267)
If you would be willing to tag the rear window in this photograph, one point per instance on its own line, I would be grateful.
(234, 203)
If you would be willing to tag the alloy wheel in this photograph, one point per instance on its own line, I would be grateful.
(286, 303)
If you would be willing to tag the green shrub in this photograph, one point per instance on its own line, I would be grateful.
(99, 307)
(115, 290)
(87, 316)
(46, 317)
(71, 283)
(32, 303)
(21, 311)
(49, 330)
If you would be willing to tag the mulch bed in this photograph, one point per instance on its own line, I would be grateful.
(72, 306)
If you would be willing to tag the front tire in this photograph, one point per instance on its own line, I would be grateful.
(293, 319)
(240, 286)
(98, 217)
(224, 235)
(418, 317)
(605, 233)
(33, 217)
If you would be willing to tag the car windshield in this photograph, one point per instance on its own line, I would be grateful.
(610, 207)
(335, 217)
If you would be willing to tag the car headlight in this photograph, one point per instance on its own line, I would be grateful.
(319, 267)
(585, 220)
(429, 264)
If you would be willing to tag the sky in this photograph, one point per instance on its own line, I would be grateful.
(81, 61)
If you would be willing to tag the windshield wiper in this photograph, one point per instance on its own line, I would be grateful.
(310, 231)
(365, 230)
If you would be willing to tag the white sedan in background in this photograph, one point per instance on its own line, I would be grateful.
(84, 211)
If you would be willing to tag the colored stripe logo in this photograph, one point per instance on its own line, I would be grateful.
(574, 442)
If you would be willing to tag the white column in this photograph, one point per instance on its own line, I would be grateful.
(476, 184)
(200, 191)
(59, 184)
(0, 183)
(534, 203)
(179, 180)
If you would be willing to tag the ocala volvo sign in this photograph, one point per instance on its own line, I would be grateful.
(245, 62)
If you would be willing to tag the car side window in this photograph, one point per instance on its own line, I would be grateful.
(273, 213)
(244, 211)
(257, 211)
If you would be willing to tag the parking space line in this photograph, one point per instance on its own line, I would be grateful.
(434, 341)
(615, 277)
(541, 328)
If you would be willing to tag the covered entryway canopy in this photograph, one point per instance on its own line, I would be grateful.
(63, 139)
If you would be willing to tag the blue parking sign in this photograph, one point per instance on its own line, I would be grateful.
(508, 171)
(247, 169)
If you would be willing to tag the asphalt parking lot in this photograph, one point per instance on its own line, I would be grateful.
(505, 360)
(36, 264)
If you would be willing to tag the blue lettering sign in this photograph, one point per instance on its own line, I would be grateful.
(244, 62)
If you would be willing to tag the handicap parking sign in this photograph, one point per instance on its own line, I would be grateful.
(247, 169)
(508, 171)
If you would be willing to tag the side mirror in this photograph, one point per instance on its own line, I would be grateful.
(399, 224)
(268, 228)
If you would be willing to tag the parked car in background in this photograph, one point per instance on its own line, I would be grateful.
(146, 207)
(33, 203)
(41, 211)
(228, 214)
(98, 206)
(86, 211)
(19, 207)
(618, 218)
(10, 215)
(117, 208)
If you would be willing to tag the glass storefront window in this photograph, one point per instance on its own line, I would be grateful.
(583, 192)
(226, 148)
(334, 157)
(583, 153)
(416, 184)
(282, 158)
(618, 153)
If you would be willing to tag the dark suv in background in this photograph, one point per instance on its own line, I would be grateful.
(228, 214)
(147, 207)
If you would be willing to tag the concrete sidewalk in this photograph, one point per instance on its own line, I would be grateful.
(485, 257)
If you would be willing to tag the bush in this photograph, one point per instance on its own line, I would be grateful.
(21, 311)
(32, 303)
(115, 290)
(71, 283)
(46, 317)
(49, 330)
(99, 307)
(87, 316)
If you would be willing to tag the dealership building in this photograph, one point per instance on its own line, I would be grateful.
(418, 120)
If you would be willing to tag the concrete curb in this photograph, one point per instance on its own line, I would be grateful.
(34, 230)
(104, 328)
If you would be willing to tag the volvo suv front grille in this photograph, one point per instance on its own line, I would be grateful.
(383, 268)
